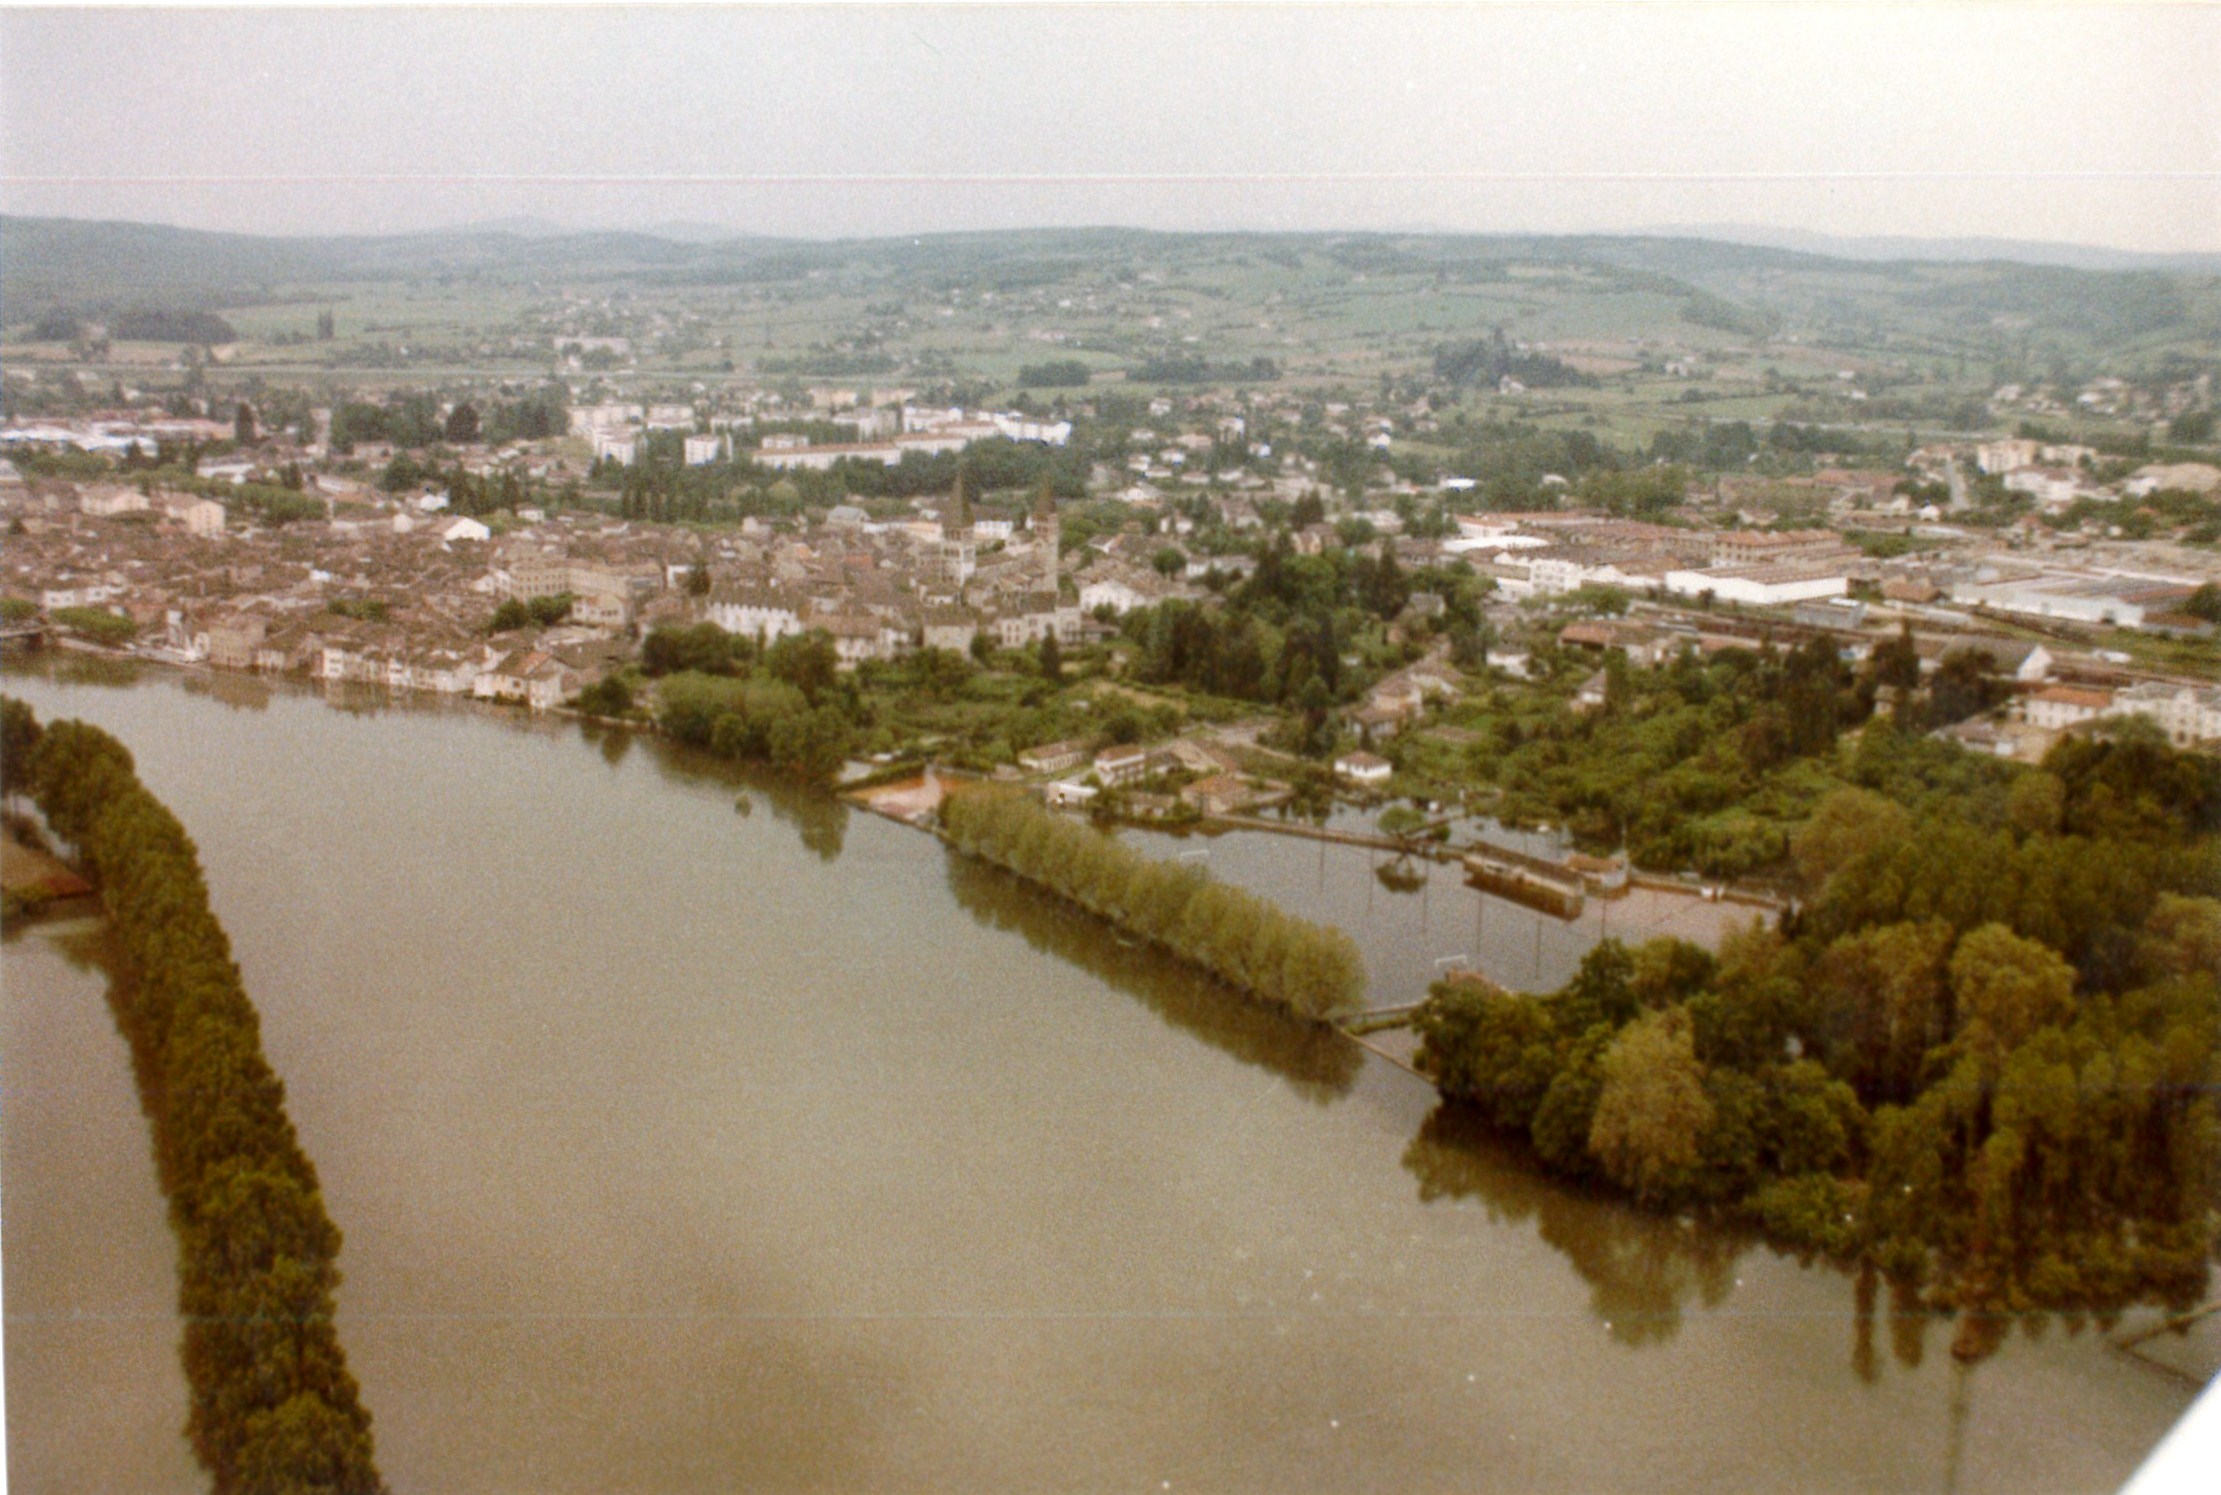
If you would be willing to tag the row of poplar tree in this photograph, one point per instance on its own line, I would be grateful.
(1243, 940)
(272, 1404)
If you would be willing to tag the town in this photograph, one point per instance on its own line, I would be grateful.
(520, 571)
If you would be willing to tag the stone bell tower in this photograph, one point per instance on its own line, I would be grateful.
(959, 550)
(1045, 539)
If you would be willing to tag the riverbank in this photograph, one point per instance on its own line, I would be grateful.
(794, 1151)
(31, 878)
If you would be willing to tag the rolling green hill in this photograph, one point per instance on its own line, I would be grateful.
(981, 304)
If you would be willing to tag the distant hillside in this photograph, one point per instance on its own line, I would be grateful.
(1952, 305)
(1949, 251)
(50, 263)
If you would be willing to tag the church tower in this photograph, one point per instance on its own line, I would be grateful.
(959, 550)
(1045, 538)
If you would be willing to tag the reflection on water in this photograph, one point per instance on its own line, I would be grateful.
(77, 667)
(229, 688)
(1316, 1061)
(359, 699)
(615, 742)
(1641, 1268)
(820, 819)
(1400, 876)
(1413, 917)
(673, 1157)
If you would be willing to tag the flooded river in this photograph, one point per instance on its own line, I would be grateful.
(682, 1149)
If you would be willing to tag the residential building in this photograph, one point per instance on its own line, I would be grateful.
(755, 612)
(2058, 707)
(1364, 768)
(1122, 764)
(1053, 757)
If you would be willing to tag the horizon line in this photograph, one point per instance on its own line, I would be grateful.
(1701, 232)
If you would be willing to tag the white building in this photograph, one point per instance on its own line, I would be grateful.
(703, 450)
(2185, 713)
(2058, 707)
(1364, 768)
(1019, 428)
(2004, 456)
(755, 612)
(2053, 488)
(200, 516)
(108, 502)
(1111, 592)
(460, 527)
(1760, 586)
(2081, 597)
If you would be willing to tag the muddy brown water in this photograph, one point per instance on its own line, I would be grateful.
(679, 1149)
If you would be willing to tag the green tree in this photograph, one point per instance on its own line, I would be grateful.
(1887, 1004)
(1961, 688)
(1652, 1109)
(806, 661)
(2036, 803)
(19, 739)
(461, 428)
(608, 696)
(1402, 824)
(98, 624)
(2192, 427)
(1847, 824)
(2007, 987)
(305, 1446)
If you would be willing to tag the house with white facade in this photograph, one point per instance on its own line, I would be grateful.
(1364, 768)
(202, 517)
(2058, 707)
(755, 612)
(2185, 713)
(1122, 764)
(460, 528)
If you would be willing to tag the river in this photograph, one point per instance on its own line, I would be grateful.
(685, 1149)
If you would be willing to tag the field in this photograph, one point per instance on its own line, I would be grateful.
(1681, 330)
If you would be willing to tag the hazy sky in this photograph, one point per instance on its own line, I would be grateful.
(2084, 123)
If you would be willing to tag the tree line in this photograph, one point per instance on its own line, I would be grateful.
(1486, 360)
(784, 705)
(1982, 1056)
(272, 1406)
(661, 486)
(1710, 763)
(1311, 970)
